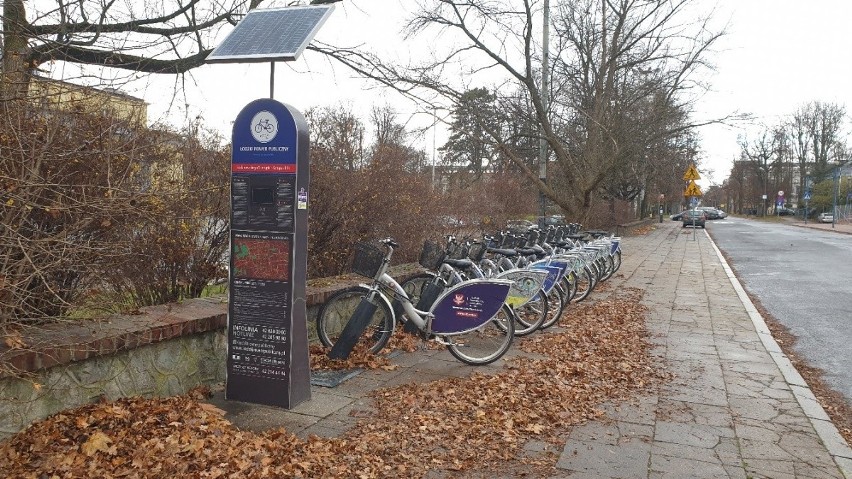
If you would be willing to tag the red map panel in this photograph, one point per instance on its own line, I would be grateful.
(267, 259)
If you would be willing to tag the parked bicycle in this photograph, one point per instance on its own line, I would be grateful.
(459, 261)
(470, 318)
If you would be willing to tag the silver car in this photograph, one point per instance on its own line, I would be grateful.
(826, 218)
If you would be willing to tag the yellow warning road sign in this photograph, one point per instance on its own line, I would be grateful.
(692, 189)
(691, 173)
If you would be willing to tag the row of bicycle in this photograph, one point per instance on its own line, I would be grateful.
(477, 294)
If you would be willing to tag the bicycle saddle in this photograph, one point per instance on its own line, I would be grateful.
(459, 263)
(509, 253)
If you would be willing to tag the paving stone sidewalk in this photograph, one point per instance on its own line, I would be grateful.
(735, 408)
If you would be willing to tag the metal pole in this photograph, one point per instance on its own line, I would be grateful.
(434, 127)
(694, 236)
(765, 194)
(542, 145)
(834, 202)
(806, 211)
(272, 80)
(807, 196)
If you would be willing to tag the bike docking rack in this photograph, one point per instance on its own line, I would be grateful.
(477, 296)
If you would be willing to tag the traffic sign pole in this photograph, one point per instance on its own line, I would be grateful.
(692, 191)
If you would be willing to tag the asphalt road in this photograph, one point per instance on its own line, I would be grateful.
(803, 277)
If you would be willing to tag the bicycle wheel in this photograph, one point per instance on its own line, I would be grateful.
(569, 286)
(529, 317)
(584, 283)
(336, 311)
(485, 344)
(616, 261)
(608, 267)
(594, 273)
(555, 305)
(599, 269)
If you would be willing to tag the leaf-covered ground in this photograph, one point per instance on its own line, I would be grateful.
(460, 427)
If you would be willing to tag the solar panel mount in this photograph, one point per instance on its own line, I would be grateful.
(271, 34)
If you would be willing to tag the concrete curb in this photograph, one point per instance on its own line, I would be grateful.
(826, 430)
(844, 229)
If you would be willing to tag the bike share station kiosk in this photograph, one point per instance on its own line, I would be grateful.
(268, 359)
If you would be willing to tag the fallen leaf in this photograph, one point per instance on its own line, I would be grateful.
(97, 442)
(14, 340)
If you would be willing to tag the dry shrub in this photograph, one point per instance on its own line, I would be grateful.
(378, 201)
(384, 199)
(177, 239)
(90, 205)
(488, 202)
(65, 183)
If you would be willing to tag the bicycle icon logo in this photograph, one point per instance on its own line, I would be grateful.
(264, 126)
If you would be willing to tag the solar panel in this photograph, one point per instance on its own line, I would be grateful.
(271, 34)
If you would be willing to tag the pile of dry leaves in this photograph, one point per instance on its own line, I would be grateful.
(643, 230)
(478, 423)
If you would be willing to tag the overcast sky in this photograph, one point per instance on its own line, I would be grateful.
(777, 56)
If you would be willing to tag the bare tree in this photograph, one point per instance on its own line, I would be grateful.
(337, 137)
(611, 56)
(172, 36)
(817, 131)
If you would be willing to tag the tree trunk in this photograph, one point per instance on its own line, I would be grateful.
(13, 82)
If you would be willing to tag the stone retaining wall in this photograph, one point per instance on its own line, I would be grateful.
(163, 350)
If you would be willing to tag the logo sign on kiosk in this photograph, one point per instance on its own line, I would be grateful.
(268, 361)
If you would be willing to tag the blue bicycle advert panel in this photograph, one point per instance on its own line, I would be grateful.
(468, 305)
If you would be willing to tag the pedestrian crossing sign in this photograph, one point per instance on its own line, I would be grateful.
(691, 173)
(692, 189)
(807, 196)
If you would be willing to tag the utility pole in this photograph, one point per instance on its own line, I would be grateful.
(542, 145)
(834, 202)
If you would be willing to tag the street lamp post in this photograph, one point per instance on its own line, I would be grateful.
(834, 201)
(765, 176)
(542, 145)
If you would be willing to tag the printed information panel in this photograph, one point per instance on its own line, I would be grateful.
(267, 318)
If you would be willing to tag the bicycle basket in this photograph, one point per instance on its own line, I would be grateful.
(432, 255)
(477, 252)
(459, 251)
(368, 259)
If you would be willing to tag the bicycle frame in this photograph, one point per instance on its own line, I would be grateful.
(422, 319)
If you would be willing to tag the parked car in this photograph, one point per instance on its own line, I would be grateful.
(694, 217)
(555, 220)
(676, 216)
(711, 213)
(786, 212)
(452, 221)
(519, 226)
(826, 218)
